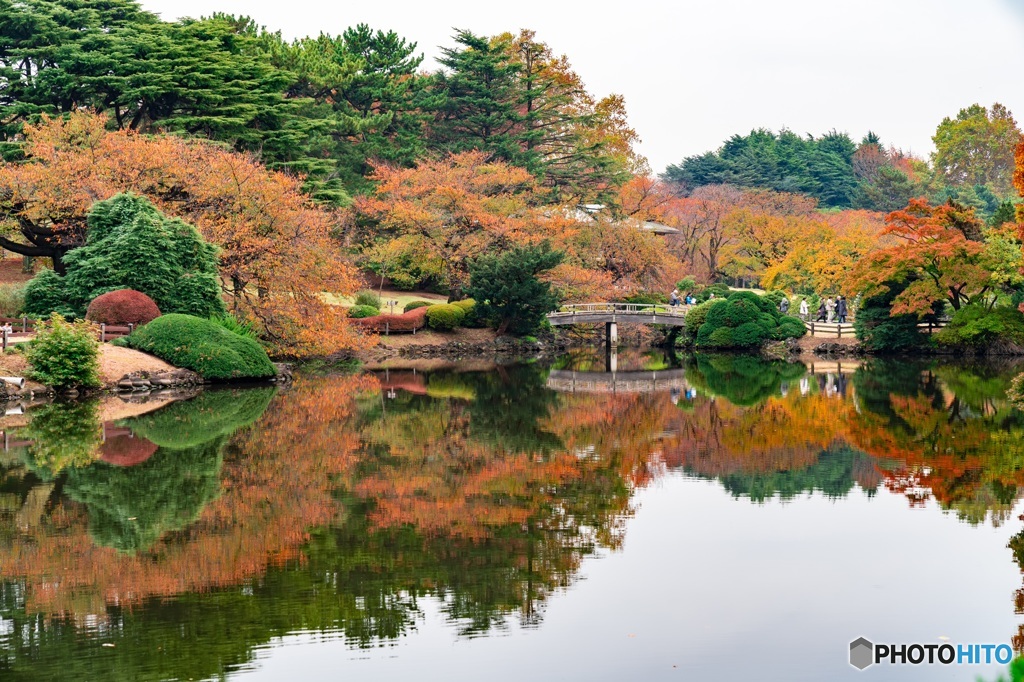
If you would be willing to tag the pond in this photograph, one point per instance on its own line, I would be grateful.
(711, 517)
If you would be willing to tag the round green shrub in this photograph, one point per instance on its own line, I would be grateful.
(122, 307)
(695, 317)
(416, 304)
(204, 347)
(64, 354)
(744, 320)
(469, 307)
(445, 316)
(368, 298)
(361, 311)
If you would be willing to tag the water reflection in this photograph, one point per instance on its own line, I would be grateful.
(190, 535)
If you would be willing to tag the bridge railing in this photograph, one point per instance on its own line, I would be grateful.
(621, 309)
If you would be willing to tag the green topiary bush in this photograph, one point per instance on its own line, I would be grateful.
(204, 347)
(744, 320)
(64, 354)
(695, 318)
(368, 298)
(131, 244)
(360, 311)
(469, 307)
(416, 304)
(445, 317)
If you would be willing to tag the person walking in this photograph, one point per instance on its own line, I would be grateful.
(784, 305)
(821, 312)
(841, 310)
(830, 309)
(803, 309)
(673, 299)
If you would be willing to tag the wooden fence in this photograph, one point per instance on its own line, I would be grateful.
(839, 331)
(13, 327)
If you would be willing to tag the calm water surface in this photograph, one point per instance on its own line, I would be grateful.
(689, 518)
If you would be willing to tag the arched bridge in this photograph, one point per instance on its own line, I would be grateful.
(613, 313)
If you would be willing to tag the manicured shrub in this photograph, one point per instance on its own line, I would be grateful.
(977, 327)
(744, 320)
(513, 296)
(695, 318)
(719, 289)
(64, 354)
(122, 307)
(445, 317)
(406, 322)
(12, 299)
(368, 298)
(472, 319)
(413, 305)
(360, 311)
(204, 347)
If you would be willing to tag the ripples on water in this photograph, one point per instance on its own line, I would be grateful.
(709, 517)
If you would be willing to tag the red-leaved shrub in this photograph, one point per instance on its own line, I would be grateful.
(122, 307)
(407, 322)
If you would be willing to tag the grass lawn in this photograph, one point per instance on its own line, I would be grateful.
(386, 295)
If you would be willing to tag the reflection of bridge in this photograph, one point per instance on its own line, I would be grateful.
(568, 381)
(612, 313)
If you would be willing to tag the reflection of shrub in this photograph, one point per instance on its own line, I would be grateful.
(203, 347)
(122, 307)
(742, 379)
(63, 435)
(450, 386)
(359, 311)
(209, 415)
(65, 354)
(445, 317)
(413, 305)
(130, 508)
(978, 327)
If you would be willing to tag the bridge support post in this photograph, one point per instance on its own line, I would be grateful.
(611, 334)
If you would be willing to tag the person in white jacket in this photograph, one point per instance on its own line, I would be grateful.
(803, 309)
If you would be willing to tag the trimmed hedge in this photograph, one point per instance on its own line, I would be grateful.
(360, 311)
(445, 317)
(406, 322)
(416, 304)
(469, 307)
(745, 320)
(204, 347)
(123, 307)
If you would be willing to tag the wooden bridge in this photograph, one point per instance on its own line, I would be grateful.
(568, 381)
(612, 313)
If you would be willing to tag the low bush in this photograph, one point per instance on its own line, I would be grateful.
(368, 298)
(359, 311)
(695, 317)
(122, 307)
(407, 322)
(12, 299)
(416, 304)
(977, 327)
(64, 354)
(445, 317)
(719, 290)
(204, 347)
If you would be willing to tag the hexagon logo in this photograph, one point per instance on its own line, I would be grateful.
(861, 653)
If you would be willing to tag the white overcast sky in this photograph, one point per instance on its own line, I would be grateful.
(695, 72)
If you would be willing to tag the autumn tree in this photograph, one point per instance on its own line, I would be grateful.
(938, 252)
(277, 254)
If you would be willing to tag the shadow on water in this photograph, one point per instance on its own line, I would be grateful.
(193, 535)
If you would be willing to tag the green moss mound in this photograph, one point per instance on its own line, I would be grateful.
(204, 347)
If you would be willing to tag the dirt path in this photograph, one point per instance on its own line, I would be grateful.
(116, 361)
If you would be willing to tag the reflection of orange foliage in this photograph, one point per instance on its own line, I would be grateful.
(277, 484)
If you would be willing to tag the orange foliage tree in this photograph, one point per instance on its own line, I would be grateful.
(277, 253)
(938, 251)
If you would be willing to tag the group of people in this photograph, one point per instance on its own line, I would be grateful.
(674, 300)
(828, 311)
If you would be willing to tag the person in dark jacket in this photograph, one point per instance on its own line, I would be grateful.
(841, 310)
(821, 312)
